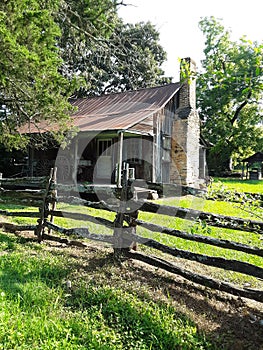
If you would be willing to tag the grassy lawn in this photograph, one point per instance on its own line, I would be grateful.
(108, 306)
(253, 186)
(57, 297)
(217, 207)
(39, 311)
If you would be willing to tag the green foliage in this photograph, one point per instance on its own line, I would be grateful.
(252, 186)
(85, 28)
(127, 57)
(186, 74)
(229, 90)
(31, 87)
(249, 202)
(53, 50)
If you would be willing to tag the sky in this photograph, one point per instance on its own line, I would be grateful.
(177, 23)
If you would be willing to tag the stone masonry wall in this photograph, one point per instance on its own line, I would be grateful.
(178, 169)
(185, 136)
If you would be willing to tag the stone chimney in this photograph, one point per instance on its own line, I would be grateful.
(186, 130)
(187, 97)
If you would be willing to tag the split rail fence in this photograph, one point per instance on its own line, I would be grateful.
(42, 192)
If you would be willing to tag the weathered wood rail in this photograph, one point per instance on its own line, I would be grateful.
(42, 193)
(35, 192)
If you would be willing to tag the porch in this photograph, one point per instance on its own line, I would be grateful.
(97, 159)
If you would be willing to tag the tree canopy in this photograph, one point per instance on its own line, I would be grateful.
(56, 49)
(229, 94)
(31, 86)
(117, 57)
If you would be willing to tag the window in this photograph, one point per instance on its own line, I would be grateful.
(166, 148)
(104, 147)
(166, 142)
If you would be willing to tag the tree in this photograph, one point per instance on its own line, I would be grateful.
(136, 57)
(114, 58)
(31, 87)
(56, 49)
(86, 26)
(229, 91)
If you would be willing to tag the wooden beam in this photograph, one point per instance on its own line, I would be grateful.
(253, 294)
(79, 216)
(216, 220)
(120, 155)
(23, 194)
(7, 226)
(81, 231)
(24, 183)
(203, 239)
(76, 160)
(25, 214)
(226, 264)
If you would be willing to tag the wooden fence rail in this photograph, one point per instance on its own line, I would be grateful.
(33, 191)
(216, 220)
(222, 243)
(42, 192)
(254, 294)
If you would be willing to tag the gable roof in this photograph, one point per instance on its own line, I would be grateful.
(122, 110)
(256, 157)
(117, 111)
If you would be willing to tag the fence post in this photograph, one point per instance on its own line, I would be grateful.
(118, 241)
(132, 228)
(44, 210)
(54, 196)
(122, 244)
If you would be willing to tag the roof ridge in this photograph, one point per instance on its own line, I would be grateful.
(123, 92)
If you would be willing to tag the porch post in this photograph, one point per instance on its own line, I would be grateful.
(31, 161)
(75, 160)
(154, 159)
(120, 142)
(243, 171)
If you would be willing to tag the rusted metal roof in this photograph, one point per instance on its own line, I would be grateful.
(119, 111)
(143, 127)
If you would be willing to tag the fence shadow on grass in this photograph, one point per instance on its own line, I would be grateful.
(227, 321)
(217, 313)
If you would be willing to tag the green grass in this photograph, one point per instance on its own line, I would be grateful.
(210, 206)
(108, 306)
(38, 311)
(253, 186)
(217, 207)
(252, 239)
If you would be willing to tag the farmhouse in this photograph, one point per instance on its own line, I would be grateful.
(155, 130)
